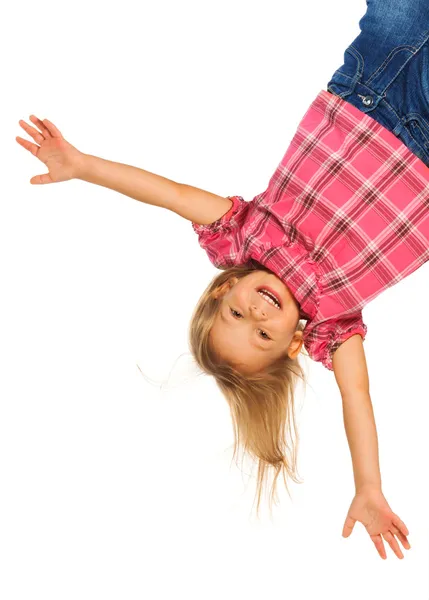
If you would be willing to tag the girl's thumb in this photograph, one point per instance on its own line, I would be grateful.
(348, 527)
(37, 179)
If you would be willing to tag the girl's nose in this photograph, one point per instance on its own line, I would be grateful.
(257, 311)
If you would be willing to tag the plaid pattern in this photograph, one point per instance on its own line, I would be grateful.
(345, 216)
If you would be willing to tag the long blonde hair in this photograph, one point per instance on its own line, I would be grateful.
(261, 404)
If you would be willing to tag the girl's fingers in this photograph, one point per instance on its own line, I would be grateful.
(402, 538)
(41, 126)
(378, 542)
(54, 131)
(36, 135)
(400, 525)
(28, 145)
(391, 540)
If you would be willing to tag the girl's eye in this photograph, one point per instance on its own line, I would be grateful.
(265, 336)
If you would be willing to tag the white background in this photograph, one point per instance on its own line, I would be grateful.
(109, 487)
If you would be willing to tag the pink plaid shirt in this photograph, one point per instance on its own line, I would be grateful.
(344, 217)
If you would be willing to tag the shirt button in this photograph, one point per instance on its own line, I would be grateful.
(367, 100)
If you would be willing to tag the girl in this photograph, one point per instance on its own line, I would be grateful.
(344, 216)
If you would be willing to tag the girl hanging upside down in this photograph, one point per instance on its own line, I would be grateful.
(345, 216)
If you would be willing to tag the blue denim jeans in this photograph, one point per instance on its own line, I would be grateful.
(386, 70)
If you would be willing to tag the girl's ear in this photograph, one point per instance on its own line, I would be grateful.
(296, 344)
(219, 291)
(222, 289)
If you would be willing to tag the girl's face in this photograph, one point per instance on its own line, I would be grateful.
(249, 332)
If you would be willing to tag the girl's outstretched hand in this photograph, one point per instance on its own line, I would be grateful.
(62, 159)
(370, 507)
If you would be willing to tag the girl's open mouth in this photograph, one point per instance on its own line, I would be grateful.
(270, 294)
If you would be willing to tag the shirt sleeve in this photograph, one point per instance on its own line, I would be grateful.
(322, 340)
(223, 239)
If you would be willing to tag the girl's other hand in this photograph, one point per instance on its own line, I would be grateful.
(370, 507)
(63, 160)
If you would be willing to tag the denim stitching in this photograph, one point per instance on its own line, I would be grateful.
(404, 120)
(417, 117)
(425, 146)
(419, 150)
(424, 37)
(360, 61)
(339, 94)
(388, 58)
(344, 75)
(426, 34)
(390, 107)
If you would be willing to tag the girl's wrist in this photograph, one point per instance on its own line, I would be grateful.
(368, 487)
(81, 166)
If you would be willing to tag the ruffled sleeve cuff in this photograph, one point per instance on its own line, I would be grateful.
(340, 335)
(219, 223)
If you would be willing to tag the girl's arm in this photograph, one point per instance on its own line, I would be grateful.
(66, 162)
(351, 374)
(362, 438)
(369, 505)
(192, 203)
